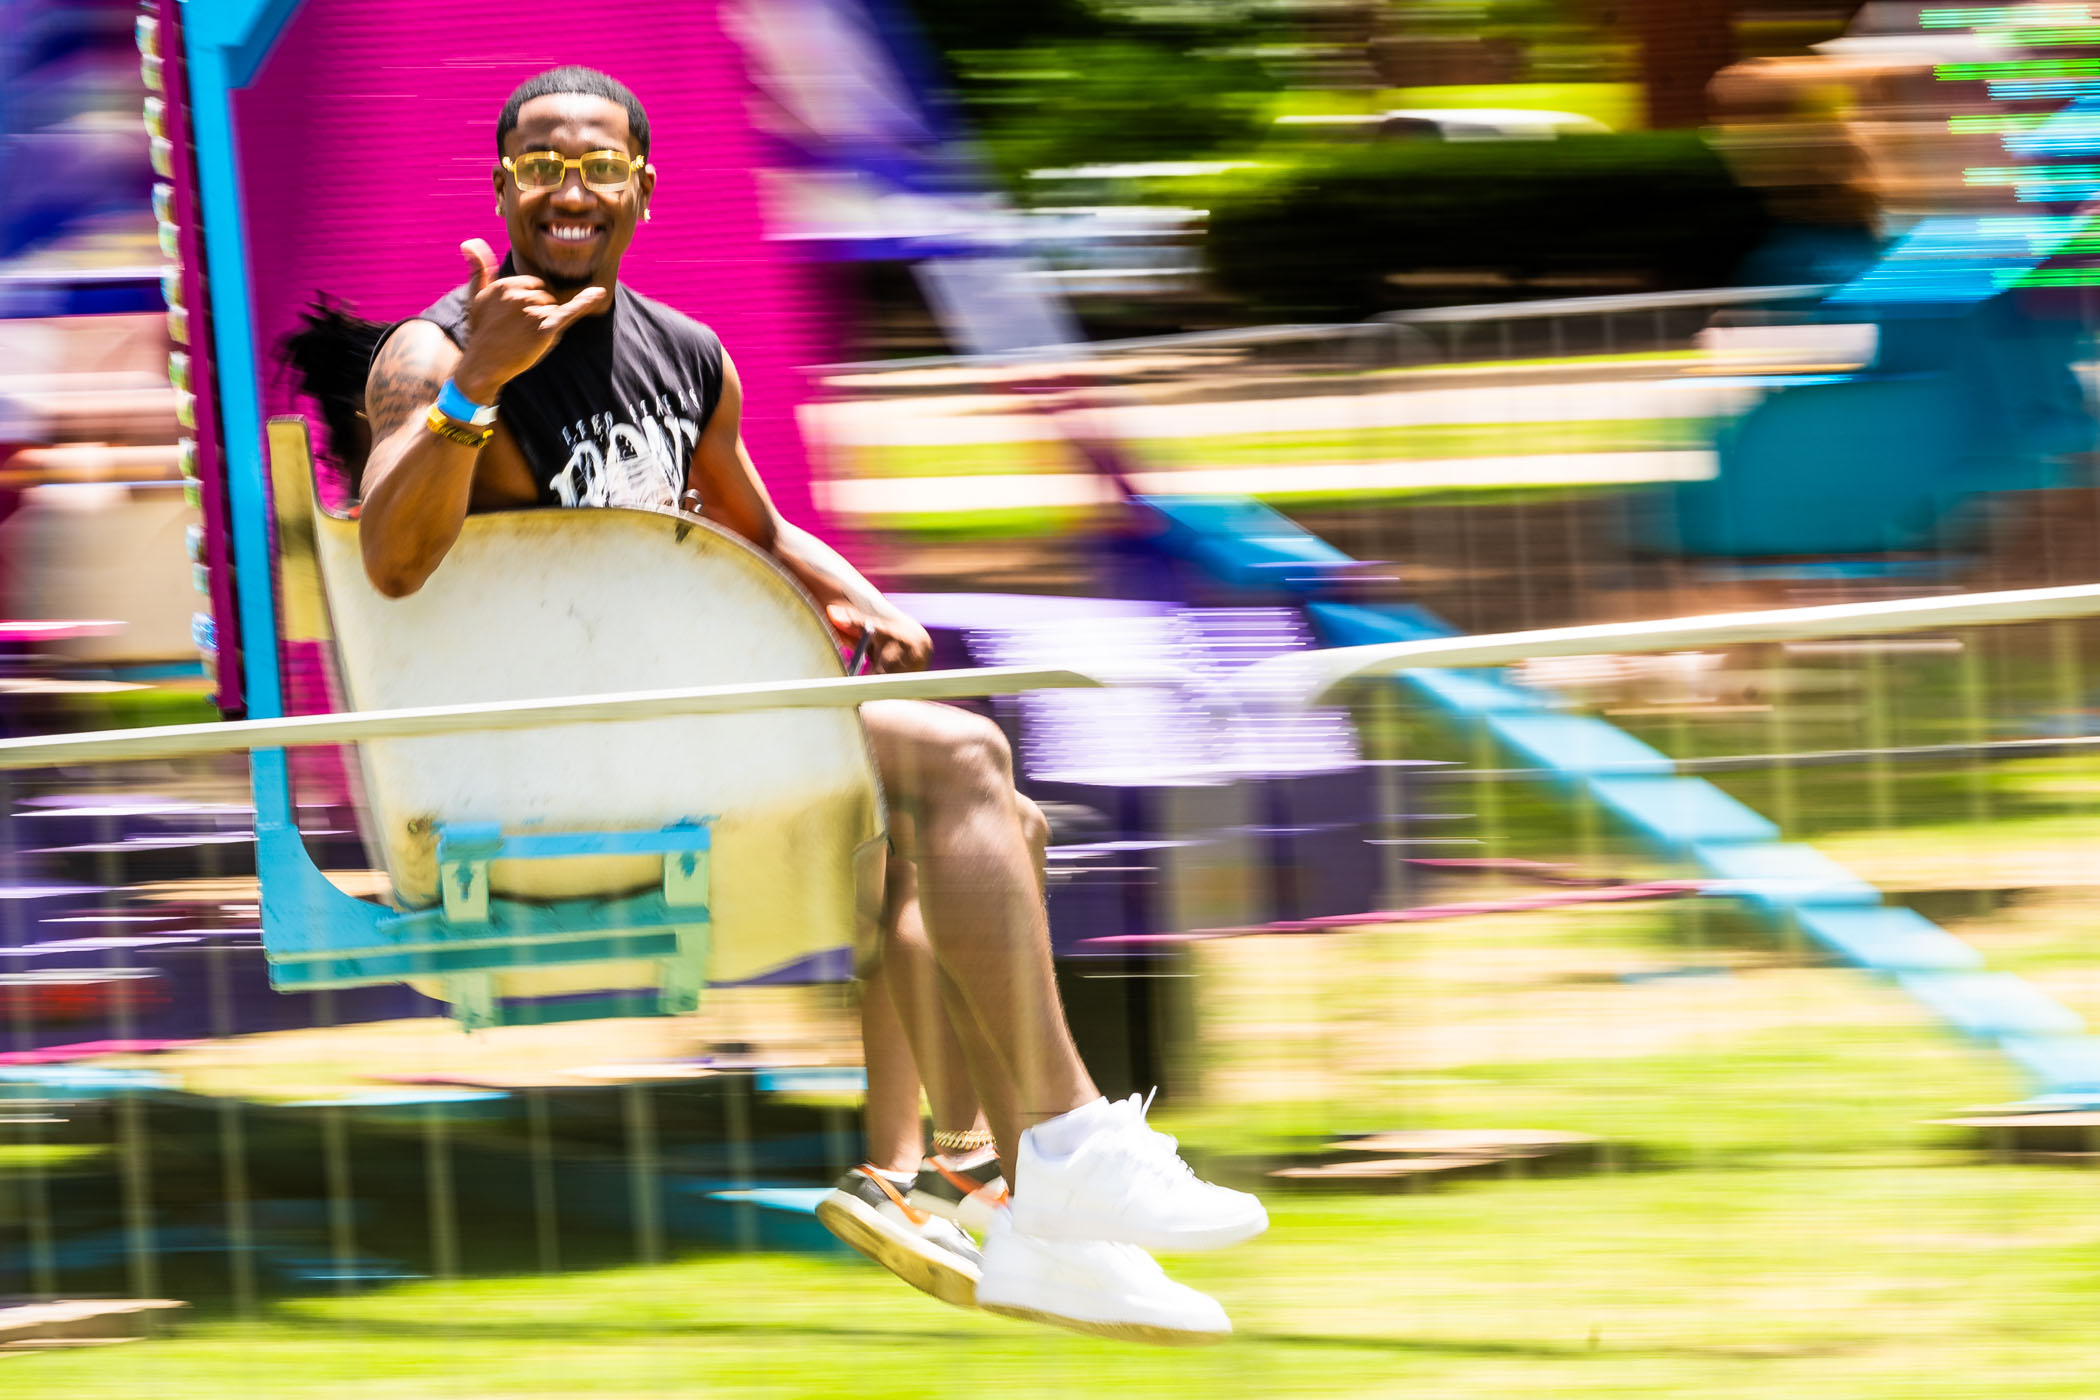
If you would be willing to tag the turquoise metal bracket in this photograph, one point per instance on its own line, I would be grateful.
(318, 936)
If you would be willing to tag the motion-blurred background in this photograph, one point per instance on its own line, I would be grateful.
(1709, 1022)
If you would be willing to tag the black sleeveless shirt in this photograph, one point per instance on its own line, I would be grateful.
(611, 416)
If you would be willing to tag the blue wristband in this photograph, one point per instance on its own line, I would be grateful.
(461, 409)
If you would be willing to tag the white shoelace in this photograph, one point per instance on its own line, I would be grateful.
(1154, 1152)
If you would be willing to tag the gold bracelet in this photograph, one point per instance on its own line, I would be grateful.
(461, 433)
(974, 1140)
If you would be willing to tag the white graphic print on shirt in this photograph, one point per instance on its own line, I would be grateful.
(634, 456)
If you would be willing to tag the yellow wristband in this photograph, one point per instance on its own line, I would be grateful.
(460, 433)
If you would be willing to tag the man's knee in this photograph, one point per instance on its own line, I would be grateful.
(978, 748)
(906, 949)
(1034, 825)
(920, 746)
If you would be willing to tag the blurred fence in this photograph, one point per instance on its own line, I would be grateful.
(1504, 330)
(1603, 855)
(1606, 325)
(1516, 465)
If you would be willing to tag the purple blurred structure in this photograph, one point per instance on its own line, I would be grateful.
(76, 183)
(1172, 810)
(128, 916)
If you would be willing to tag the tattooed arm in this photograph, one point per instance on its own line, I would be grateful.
(417, 484)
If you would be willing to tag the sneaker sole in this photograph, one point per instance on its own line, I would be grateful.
(1146, 1332)
(925, 1267)
(1054, 1226)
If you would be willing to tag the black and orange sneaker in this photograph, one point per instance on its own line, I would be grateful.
(925, 1249)
(968, 1192)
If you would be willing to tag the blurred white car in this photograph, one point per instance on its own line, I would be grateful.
(1457, 124)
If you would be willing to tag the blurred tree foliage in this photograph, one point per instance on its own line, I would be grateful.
(1087, 101)
(1490, 18)
(1340, 231)
(1076, 82)
(1555, 33)
(1353, 232)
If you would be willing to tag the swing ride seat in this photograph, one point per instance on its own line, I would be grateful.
(582, 870)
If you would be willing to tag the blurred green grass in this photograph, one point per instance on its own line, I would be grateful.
(1777, 1216)
(48, 1156)
(1442, 442)
(1813, 1284)
(1878, 1273)
(1400, 444)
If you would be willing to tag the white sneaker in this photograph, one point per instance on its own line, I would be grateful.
(1127, 1183)
(1106, 1290)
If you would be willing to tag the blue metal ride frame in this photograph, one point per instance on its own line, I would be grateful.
(318, 936)
(224, 42)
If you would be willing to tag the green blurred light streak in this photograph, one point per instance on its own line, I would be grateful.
(2055, 38)
(2052, 277)
(1423, 442)
(2031, 174)
(1995, 16)
(2027, 68)
(1996, 125)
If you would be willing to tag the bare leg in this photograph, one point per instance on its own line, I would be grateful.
(895, 1138)
(911, 979)
(954, 815)
(994, 1090)
(970, 1092)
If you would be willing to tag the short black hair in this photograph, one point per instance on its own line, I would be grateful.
(587, 81)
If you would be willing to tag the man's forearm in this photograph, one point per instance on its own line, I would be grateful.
(413, 512)
(824, 572)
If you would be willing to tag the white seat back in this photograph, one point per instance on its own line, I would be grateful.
(542, 603)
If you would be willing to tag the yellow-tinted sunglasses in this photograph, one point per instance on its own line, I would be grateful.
(605, 171)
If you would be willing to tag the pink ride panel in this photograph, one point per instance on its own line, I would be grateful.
(366, 143)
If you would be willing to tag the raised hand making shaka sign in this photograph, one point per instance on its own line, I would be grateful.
(512, 322)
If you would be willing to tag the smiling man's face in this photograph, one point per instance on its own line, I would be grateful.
(572, 235)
